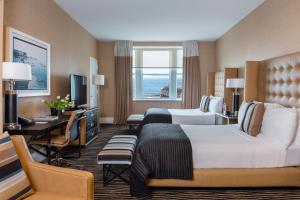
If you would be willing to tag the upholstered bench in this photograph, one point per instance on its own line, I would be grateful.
(118, 152)
(134, 121)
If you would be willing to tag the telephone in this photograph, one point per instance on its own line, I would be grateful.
(25, 121)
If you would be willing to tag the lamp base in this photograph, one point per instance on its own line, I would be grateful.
(12, 126)
(235, 103)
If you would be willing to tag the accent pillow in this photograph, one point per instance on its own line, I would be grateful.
(280, 123)
(215, 104)
(204, 103)
(242, 112)
(14, 183)
(252, 119)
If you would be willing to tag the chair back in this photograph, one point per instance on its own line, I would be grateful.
(73, 126)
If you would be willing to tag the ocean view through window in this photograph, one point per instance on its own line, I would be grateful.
(157, 73)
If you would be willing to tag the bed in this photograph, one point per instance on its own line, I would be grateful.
(179, 116)
(269, 164)
(217, 91)
(224, 156)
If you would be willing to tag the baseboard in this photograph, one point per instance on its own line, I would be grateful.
(106, 120)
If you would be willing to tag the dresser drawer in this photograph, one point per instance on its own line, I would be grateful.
(91, 119)
(91, 133)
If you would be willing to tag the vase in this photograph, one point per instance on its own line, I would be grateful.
(54, 112)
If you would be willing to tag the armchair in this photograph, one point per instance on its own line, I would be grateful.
(50, 182)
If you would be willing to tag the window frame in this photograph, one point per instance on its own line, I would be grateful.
(173, 66)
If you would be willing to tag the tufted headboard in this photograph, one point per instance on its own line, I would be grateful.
(278, 80)
(219, 84)
(216, 84)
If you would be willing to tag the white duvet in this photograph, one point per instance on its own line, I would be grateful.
(225, 146)
(192, 117)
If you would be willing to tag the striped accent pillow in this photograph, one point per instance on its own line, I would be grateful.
(14, 183)
(250, 118)
(204, 103)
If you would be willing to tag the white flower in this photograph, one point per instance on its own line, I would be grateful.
(58, 97)
(43, 100)
(62, 110)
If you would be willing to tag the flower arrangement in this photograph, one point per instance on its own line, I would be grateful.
(58, 104)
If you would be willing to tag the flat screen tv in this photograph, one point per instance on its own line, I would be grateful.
(78, 90)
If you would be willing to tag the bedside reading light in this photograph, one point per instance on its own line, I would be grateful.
(12, 72)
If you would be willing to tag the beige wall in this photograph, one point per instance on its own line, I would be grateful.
(71, 45)
(1, 60)
(272, 30)
(106, 63)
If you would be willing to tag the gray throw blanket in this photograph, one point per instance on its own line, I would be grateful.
(164, 152)
(157, 115)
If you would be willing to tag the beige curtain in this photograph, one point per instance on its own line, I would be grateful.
(123, 81)
(191, 75)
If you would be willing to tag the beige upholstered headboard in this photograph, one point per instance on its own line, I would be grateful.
(278, 80)
(219, 84)
(216, 84)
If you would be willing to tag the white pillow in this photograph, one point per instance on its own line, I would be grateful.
(296, 140)
(215, 104)
(279, 123)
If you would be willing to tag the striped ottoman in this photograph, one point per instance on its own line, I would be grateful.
(118, 151)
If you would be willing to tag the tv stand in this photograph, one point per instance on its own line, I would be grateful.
(90, 128)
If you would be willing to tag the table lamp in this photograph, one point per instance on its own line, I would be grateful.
(235, 83)
(12, 72)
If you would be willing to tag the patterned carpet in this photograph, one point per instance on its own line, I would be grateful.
(119, 190)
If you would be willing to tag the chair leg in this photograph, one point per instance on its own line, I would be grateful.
(79, 149)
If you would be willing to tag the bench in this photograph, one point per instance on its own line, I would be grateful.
(134, 121)
(118, 152)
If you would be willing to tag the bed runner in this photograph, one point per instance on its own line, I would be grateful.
(157, 115)
(164, 151)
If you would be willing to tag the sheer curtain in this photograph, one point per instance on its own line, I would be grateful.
(191, 75)
(123, 80)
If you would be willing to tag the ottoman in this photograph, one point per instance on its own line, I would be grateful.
(134, 121)
(117, 153)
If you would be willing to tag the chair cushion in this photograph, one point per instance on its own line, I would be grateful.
(56, 140)
(43, 196)
(14, 183)
(135, 119)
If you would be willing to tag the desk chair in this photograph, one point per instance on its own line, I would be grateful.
(50, 182)
(58, 142)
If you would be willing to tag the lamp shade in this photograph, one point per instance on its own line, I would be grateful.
(16, 71)
(98, 79)
(235, 83)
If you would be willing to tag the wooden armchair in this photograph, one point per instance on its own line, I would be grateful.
(50, 182)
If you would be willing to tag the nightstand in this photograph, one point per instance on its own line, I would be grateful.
(231, 119)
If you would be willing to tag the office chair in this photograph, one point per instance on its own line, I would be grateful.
(59, 142)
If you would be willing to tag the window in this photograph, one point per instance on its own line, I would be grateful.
(157, 73)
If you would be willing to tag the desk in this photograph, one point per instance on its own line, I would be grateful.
(41, 129)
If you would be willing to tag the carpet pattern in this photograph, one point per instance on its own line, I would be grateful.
(119, 190)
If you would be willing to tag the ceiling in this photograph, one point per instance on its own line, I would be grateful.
(158, 20)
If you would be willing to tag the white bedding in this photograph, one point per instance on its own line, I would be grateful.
(225, 146)
(192, 117)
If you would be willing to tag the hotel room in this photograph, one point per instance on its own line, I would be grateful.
(161, 99)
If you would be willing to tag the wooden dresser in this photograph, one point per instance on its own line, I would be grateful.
(90, 126)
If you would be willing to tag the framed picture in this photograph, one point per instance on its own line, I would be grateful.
(27, 49)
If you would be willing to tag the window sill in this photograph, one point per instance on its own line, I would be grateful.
(155, 100)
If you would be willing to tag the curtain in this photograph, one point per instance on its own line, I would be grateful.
(123, 80)
(191, 75)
